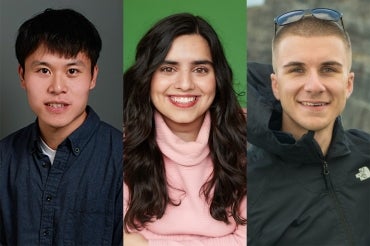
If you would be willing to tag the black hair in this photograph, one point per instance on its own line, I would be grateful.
(62, 31)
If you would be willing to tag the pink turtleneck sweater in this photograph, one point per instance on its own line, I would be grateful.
(188, 166)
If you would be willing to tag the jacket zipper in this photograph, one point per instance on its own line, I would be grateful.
(338, 208)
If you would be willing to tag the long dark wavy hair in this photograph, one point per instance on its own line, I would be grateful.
(144, 171)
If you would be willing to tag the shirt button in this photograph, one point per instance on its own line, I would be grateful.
(44, 164)
(46, 232)
(77, 150)
(48, 198)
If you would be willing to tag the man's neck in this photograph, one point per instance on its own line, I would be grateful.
(54, 136)
(324, 140)
(322, 136)
(53, 139)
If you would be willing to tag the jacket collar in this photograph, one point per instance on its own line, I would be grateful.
(305, 149)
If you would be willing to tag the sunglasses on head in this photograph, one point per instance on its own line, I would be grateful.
(319, 13)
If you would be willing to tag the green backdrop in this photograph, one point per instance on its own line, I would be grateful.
(228, 18)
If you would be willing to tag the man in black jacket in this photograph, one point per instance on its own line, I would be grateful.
(308, 178)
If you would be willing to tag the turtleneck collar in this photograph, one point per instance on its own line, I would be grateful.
(182, 152)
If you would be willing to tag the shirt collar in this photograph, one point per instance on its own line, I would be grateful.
(76, 141)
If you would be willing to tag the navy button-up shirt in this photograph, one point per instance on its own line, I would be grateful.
(75, 201)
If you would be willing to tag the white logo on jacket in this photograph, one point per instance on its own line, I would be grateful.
(364, 173)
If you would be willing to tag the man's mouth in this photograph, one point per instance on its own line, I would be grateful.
(314, 104)
(56, 105)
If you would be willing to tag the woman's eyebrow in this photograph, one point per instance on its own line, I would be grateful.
(196, 62)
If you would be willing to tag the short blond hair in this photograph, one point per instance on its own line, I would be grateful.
(310, 26)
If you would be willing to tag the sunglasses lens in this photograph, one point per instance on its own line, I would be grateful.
(319, 13)
(289, 17)
(326, 14)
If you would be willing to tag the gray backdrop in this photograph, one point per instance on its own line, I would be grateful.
(106, 98)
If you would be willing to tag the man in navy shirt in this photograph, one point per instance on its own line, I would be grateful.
(61, 176)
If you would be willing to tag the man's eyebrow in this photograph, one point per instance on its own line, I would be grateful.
(327, 63)
(72, 63)
(332, 63)
(76, 63)
(38, 63)
(293, 64)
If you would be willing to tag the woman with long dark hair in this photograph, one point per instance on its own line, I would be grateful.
(184, 140)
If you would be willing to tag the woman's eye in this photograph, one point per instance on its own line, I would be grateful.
(201, 70)
(167, 69)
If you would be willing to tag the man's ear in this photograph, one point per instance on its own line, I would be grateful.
(94, 77)
(275, 86)
(351, 79)
(21, 76)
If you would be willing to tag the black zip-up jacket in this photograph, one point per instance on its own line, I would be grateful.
(296, 195)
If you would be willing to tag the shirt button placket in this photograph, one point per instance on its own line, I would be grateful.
(46, 233)
(47, 210)
(46, 237)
